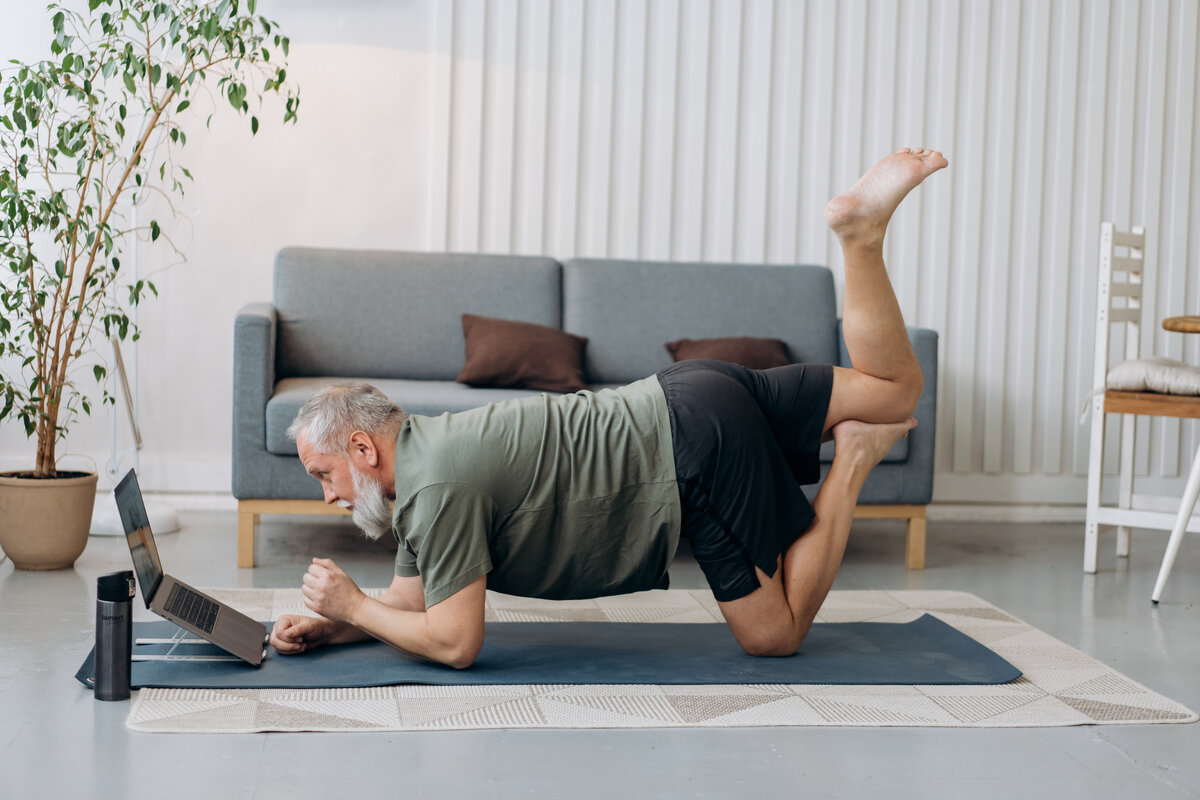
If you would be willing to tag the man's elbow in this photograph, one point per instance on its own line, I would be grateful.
(461, 654)
(458, 648)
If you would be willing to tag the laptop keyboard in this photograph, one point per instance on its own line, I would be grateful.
(192, 608)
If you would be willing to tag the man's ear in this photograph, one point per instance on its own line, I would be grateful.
(363, 450)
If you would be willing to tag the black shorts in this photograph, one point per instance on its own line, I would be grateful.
(744, 442)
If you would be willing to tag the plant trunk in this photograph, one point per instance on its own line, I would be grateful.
(47, 439)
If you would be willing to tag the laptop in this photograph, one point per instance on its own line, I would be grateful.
(172, 599)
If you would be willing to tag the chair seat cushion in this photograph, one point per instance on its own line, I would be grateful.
(1155, 374)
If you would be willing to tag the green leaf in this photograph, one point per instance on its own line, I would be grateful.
(99, 372)
(129, 84)
(154, 230)
(182, 106)
(253, 126)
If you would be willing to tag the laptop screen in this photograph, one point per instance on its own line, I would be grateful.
(137, 533)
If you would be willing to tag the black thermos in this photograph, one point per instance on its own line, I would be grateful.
(114, 634)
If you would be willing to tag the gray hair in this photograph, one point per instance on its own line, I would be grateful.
(335, 412)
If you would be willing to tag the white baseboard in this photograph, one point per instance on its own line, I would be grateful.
(1004, 512)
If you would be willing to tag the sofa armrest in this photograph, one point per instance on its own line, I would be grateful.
(253, 382)
(914, 483)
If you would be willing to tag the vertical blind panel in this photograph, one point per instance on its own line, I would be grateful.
(1030, 145)
(718, 129)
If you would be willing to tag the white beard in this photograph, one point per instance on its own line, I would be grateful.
(371, 510)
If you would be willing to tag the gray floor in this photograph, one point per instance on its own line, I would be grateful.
(57, 742)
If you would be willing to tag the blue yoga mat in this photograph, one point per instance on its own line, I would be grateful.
(925, 651)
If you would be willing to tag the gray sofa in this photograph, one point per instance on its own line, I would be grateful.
(394, 319)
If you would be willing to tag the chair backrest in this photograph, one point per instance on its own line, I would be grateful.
(1118, 293)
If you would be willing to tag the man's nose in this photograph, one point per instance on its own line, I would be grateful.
(330, 495)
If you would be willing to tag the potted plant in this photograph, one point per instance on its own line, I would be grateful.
(79, 140)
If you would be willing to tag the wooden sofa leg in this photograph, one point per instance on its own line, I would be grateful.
(914, 552)
(249, 512)
(245, 551)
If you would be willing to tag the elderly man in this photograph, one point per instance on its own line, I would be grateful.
(587, 494)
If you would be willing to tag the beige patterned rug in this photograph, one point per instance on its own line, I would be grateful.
(1061, 685)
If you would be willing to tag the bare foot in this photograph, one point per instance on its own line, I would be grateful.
(860, 215)
(865, 443)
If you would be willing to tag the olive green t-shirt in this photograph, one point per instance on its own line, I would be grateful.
(561, 497)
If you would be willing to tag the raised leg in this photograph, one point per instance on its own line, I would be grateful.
(1186, 506)
(870, 408)
(885, 382)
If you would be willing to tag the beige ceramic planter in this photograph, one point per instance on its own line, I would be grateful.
(44, 523)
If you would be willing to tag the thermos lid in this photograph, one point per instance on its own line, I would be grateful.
(115, 587)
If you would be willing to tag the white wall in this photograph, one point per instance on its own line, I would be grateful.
(711, 130)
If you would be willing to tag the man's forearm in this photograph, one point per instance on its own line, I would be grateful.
(409, 632)
(345, 632)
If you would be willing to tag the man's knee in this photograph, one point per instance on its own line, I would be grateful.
(911, 389)
(868, 398)
(775, 643)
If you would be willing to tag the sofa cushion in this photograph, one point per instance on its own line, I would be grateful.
(424, 398)
(627, 309)
(520, 355)
(749, 351)
(379, 314)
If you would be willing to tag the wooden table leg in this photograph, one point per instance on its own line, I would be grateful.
(1187, 505)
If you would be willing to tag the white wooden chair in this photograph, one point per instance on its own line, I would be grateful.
(1119, 295)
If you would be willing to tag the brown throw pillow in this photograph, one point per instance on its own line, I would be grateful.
(748, 351)
(521, 355)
